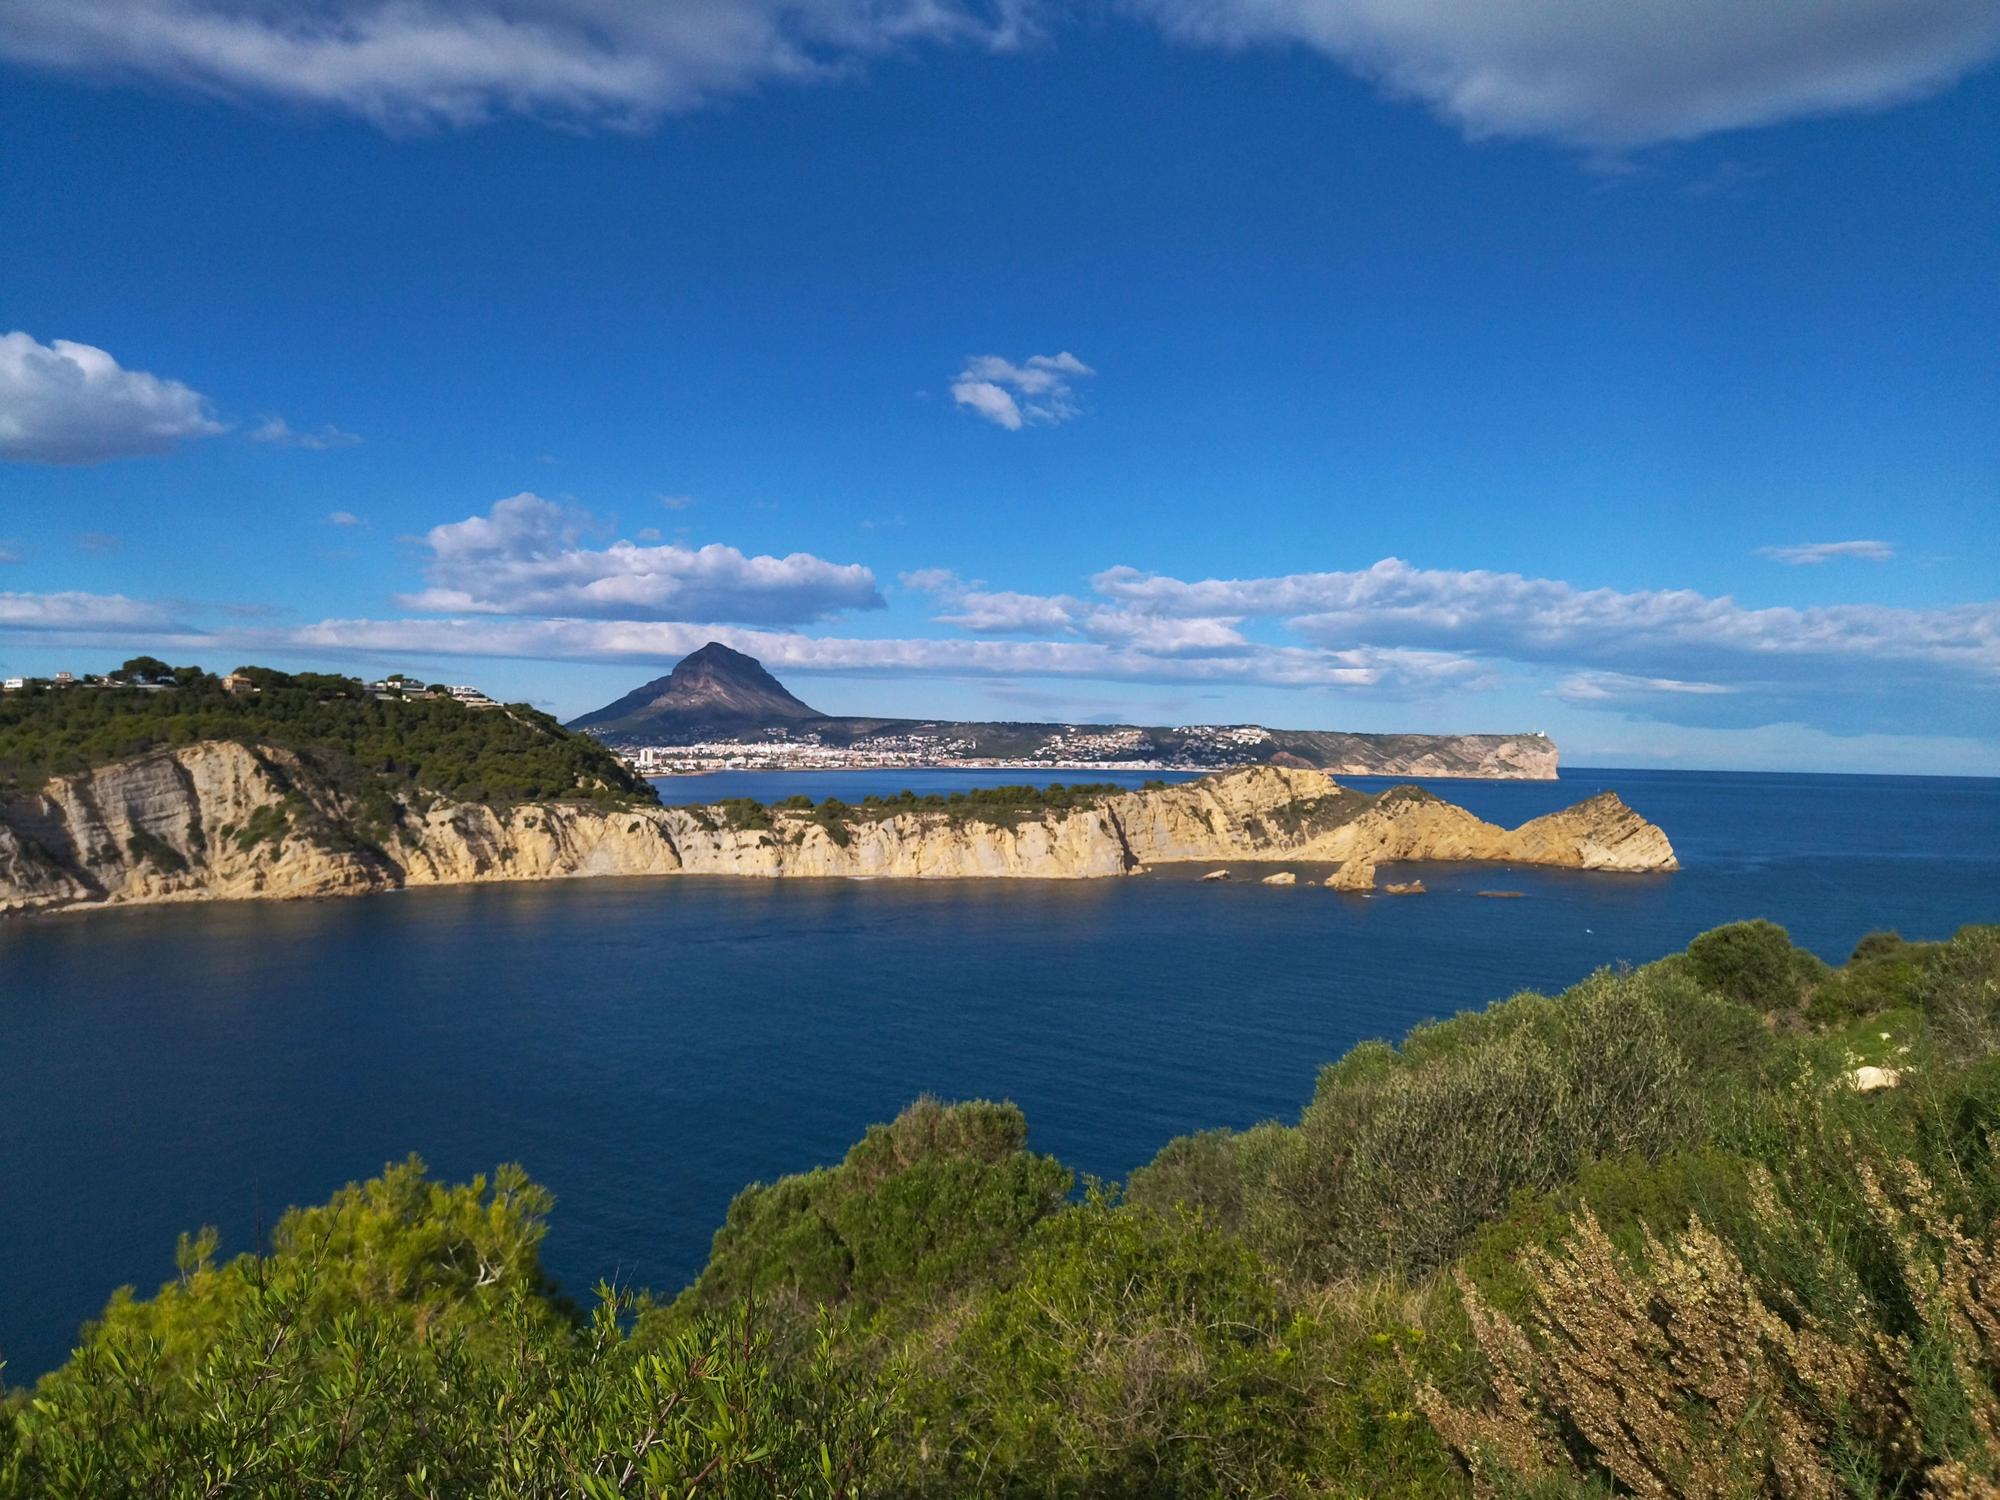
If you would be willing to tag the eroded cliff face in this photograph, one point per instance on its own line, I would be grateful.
(224, 821)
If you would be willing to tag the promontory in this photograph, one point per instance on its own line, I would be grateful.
(305, 786)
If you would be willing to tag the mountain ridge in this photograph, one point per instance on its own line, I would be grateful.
(720, 696)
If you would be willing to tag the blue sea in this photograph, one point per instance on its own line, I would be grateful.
(646, 1048)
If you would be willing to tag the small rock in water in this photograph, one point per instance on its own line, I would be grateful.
(1408, 888)
(1504, 895)
(1355, 875)
(1216, 875)
(1283, 877)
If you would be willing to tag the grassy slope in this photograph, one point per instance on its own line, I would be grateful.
(1736, 1275)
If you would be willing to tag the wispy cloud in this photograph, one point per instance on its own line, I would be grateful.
(343, 518)
(528, 556)
(1669, 653)
(1040, 391)
(528, 580)
(1601, 688)
(1615, 76)
(1808, 554)
(70, 403)
(1602, 75)
(279, 433)
(615, 63)
(74, 611)
(660, 642)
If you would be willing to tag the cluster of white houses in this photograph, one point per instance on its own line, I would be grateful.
(240, 681)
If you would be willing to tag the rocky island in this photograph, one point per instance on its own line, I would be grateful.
(308, 787)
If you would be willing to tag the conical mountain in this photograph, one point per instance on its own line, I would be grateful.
(712, 691)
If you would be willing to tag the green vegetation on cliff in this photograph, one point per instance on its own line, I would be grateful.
(424, 742)
(1647, 1236)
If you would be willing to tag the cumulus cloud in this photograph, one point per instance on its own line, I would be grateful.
(1808, 554)
(281, 434)
(1039, 392)
(416, 63)
(1611, 75)
(528, 556)
(70, 403)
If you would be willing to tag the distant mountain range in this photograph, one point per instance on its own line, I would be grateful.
(717, 696)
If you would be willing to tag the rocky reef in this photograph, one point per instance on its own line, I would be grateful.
(224, 820)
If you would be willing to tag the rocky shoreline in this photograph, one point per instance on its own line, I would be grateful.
(226, 821)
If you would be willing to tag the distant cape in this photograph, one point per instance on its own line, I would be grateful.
(721, 696)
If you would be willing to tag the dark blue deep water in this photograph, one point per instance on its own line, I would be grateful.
(647, 1047)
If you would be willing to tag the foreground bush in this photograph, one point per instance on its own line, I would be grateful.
(401, 1341)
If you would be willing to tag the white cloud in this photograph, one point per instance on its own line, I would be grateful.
(70, 403)
(1666, 653)
(1040, 391)
(1808, 554)
(1601, 73)
(1614, 75)
(929, 580)
(1547, 620)
(982, 611)
(1602, 688)
(343, 518)
(415, 63)
(653, 642)
(73, 611)
(527, 557)
(9, 553)
(281, 434)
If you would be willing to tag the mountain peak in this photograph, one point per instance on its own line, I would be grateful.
(715, 688)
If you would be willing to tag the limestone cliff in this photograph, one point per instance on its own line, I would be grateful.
(224, 820)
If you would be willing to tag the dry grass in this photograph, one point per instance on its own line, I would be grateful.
(1675, 1375)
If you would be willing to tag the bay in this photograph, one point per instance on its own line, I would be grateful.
(646, 1048)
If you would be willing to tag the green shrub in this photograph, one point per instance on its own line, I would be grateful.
(1132, 1354)
(916, 1208)
(744, 814)
(150, 848)
(267, 823)
(1754, 964)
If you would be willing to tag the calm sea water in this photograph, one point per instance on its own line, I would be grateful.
(647, 1047)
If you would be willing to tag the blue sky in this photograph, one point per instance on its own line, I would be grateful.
(1328, 363)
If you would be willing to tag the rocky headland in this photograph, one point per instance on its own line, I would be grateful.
(227, 820)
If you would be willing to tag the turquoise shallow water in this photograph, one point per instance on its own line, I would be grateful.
(647, 1047)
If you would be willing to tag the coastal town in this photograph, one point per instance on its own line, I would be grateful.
(1062, 747)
